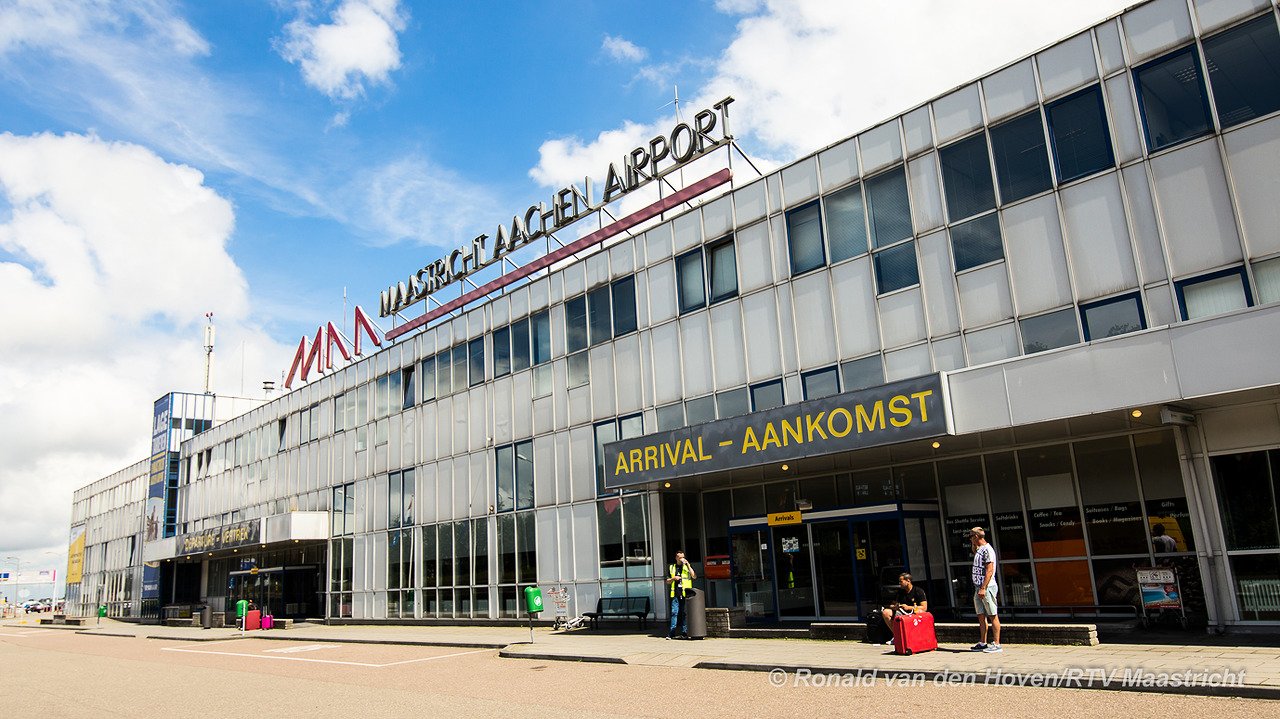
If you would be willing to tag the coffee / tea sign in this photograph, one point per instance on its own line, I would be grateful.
(660, 156)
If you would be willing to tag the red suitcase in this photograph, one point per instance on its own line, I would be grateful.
(252, 620)
(913, 633)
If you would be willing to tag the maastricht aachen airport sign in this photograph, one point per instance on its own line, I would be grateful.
(895, 412)
(661, 156)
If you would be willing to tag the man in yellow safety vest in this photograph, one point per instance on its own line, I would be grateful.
(680, 578)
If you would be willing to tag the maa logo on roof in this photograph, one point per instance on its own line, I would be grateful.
(319, 358)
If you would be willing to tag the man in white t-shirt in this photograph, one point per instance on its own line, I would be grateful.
(985, 590)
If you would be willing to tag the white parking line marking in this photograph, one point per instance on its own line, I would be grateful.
(324, 661)
(28, 633)
(303, 648)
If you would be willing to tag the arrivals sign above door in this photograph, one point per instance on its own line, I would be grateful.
(224, 537)
(895, 412)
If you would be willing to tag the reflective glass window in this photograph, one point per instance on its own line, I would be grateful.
(889, 208)
(692, 286)
(599, 315)
(501, 352)
(575, 324)
(1112, 317)
(1171, 94)
(767, 395)
(624, 306)
(977, 242)
(863, 373)
(1081, 140)
(519, 345)
(1022, 161)
(804, 236)
(722, 275)
(1045, 332)
(846, 223)
(966, 177)
(1244, 70)
(821, 383)
(896, 268)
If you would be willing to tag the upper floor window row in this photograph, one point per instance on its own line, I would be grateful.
(707, 275)
(1244, 74)
(605, 312)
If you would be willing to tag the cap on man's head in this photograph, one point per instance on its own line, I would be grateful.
(977, 532)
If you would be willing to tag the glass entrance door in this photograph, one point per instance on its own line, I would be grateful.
(833, 561)
(878, 560)
(793, 564)
(752, 572)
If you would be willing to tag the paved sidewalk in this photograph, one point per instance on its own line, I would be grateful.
(1187, 669)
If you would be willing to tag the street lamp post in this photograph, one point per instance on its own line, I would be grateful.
(17, 569)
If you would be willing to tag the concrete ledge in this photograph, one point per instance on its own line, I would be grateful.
(62, 621)
(361, 640)
(737, 633)
(1080, 635)
(561, 657)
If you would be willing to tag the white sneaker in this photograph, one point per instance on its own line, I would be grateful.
(992, 649)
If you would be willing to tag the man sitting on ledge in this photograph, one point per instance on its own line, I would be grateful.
(910, 600)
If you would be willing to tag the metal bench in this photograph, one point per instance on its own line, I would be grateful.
(620, 608)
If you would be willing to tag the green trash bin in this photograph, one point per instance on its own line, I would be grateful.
(242, 607)
(532, 600)
(102, 610)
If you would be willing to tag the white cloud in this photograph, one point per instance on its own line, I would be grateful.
(809, 72)
(109, 258)
(622, 49)
(415, 199)
(359, 45)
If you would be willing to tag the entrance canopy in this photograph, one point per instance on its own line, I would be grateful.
(896, 412)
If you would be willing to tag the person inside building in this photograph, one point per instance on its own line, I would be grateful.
(909, 600)
(1161, 542)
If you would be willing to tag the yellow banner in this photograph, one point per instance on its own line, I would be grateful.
(75, 556)
(780, 518)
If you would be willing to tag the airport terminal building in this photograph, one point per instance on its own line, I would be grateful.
(1046, 303)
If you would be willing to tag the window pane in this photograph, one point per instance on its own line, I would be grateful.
(889, 207)
(1051, 499)
(462, 553)
(428, 556)
(631, 427)
(475, 352)
(527, 545)
(1247, 500)
(624, 306)
(1160, 472)
(700, 410)
(846, 224)
(444, 549)
(1111, 318)
(733, 402)
(804, 236)
(863, 373)
(1266, 276)
(408, 388)
(635, 536)
(444, 371)
(767, 395)
(1081, 141)
(1109, 491)
(410, 493)
(480, 541)
(459, 367)
(606, 432)
(395, 502)
(1022, 164)
(692, 285)
(599, 315)
(519, 345)
(506, 549)
(1256, 586)
(504, 459)
(524, 475)
(575, 324)
(579, 369)
(1056, 329)
(1202, 298)
(1173, 102)
(966, 176)
(671, 416)
(1006, 504)
(821, 383)
(896, 268)
(540, 331)
(609, 523)
(977, 242)
(502, 352)
(723, 273)
(1244, 70)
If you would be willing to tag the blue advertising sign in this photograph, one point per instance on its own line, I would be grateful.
(161, 426)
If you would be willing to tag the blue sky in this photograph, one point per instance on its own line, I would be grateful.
(161, 159)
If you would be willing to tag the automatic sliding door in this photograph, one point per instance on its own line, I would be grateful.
(794, 567)
(833, 559)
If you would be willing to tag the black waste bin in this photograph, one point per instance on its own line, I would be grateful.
(206, 616)
(695, 608)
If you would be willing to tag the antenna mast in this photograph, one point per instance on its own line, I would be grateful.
(208, 352)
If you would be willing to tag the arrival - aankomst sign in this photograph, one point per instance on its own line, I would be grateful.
(896, 412)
